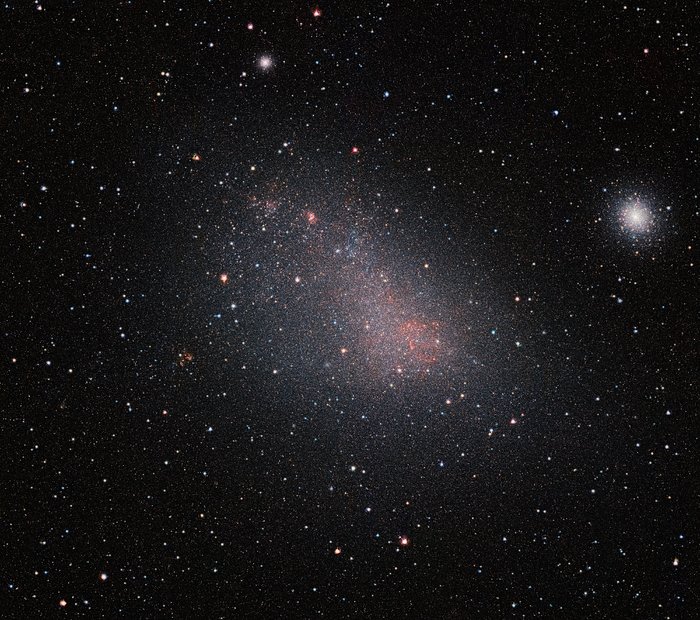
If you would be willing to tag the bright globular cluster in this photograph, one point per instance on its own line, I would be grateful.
(636, 217)
(265, 62)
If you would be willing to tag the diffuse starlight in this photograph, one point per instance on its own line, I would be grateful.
(349, 310)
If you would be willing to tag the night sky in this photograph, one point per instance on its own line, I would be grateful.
(349, 310)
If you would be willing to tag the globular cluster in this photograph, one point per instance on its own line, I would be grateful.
(640, 219)
(636, 217)
(349, 310)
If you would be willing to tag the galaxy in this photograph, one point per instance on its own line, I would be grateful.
(349, 310)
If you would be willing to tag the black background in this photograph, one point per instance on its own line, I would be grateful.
(504, 142)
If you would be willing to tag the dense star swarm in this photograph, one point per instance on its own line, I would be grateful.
(349, 310)
(342, 296)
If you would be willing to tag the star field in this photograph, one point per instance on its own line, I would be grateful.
(349, 310)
